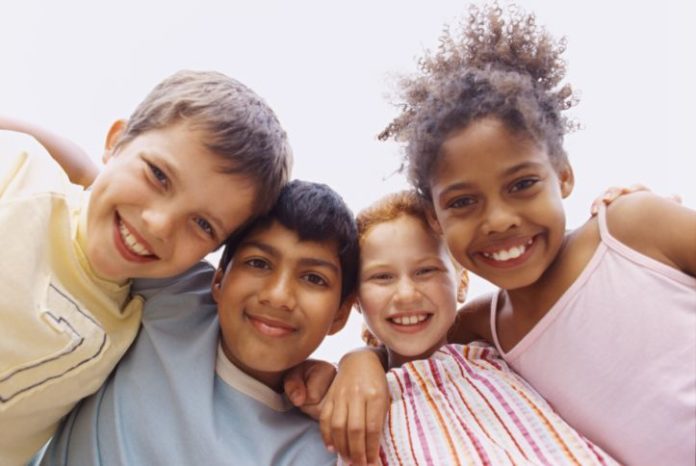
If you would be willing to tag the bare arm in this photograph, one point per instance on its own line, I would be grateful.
(79, 167)
(656, 226)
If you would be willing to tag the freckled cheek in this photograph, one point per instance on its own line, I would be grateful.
(372, 301)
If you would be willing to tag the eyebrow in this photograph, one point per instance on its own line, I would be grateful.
(304, 261)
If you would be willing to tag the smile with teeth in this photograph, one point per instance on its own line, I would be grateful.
(131, 242)
(508, 254)
(409, 320)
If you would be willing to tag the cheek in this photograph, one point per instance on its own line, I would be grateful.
(371, 301)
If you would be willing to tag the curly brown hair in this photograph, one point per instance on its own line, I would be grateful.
(500, 65)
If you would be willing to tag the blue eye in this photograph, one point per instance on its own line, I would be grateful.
(523, 184)
(204, 225)
(158, 174)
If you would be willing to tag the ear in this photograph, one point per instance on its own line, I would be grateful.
(567, 180)
(462, 286)
(432, 219)
(342, 315)
(216, 287)
(112, 137)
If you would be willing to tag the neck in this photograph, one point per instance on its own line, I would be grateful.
(272, 379)
(397, 360)
(531, 296)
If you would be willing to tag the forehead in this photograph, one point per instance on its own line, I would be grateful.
(487, 145)
(395, 236)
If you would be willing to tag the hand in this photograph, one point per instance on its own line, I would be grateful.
(307, 383)
(613, 193)
(355, 407)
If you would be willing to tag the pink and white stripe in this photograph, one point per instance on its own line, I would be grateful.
(464, 405)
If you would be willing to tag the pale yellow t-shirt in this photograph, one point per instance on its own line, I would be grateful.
(62, 328)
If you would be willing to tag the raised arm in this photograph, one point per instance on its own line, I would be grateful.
(79, 167)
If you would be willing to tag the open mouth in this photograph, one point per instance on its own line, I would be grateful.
(511, 255)
(508, 254)
(410, 322)
(129, 243)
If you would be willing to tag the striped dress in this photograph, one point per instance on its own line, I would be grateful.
(464, 405)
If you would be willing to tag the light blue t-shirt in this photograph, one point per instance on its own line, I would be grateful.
(167, 404)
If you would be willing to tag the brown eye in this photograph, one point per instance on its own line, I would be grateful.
(461, 202)
(315, 279)
(523, 184)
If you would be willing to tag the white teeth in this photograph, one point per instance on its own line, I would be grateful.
(409, 320)
(131, 243)
(507, 254)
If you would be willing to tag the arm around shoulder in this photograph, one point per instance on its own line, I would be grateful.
(657, 227)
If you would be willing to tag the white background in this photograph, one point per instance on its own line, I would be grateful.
(327, 67)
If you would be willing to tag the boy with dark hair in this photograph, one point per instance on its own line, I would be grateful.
(199, 157)
(196, 389)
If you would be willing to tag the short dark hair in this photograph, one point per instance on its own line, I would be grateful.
(238, 126)
(316, 213)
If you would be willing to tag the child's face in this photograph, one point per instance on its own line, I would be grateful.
(407, 288)
(161, 204)
(497, 201)
(277, 301)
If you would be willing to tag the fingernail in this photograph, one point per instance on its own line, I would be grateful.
(331, 448)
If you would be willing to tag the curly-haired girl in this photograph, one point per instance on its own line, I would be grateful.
(600, 320)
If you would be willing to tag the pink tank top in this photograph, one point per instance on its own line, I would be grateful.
(616, 355)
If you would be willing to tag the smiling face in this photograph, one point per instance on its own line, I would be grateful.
(407, 288)
(497, 201)
(278, 299)
(161, 204)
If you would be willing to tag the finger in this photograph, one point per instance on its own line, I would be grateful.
(294, 387)
(356, 432)
(325, 425)
(676, 198)
(635, 187)
(339, 420)
(319, 379)
(376, 412)
(611, 194)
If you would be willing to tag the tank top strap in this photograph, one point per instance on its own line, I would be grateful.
(639, 258)
(494, 319)
(603, 227)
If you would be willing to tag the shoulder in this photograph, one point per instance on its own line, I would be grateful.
(180, 296)
(655, 226)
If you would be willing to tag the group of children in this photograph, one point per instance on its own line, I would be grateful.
(584, 356)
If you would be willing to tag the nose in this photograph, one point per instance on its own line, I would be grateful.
(499, 216)
(406, 292)
(278, 292)
(159, 223)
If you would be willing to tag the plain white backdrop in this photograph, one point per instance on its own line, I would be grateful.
(327, 69)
